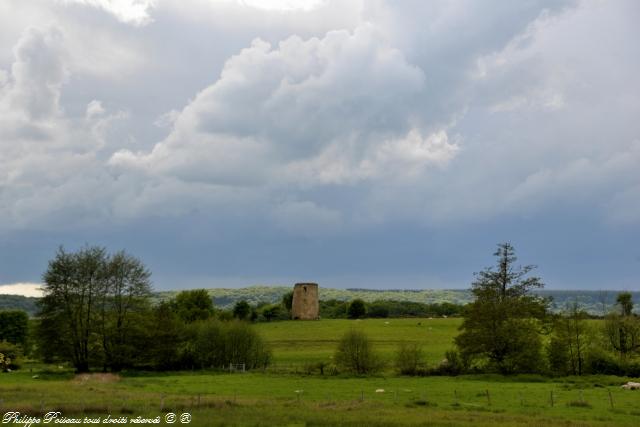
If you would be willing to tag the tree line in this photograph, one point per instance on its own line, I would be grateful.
(96, 313)
(509, 329)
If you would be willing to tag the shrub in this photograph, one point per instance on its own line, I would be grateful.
(378, 309)
(409, 359)
(217, 344)
(11, 353)
(273, 312)
(601, 362)
(241, 310)
(357, 309)
(355, 353)
(244, 345)
(453, 364)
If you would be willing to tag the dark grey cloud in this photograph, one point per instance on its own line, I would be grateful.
(316, 134)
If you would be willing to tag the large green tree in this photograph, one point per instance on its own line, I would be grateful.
(193, 305)
(123, 306)
(502, 327)
(90, 306)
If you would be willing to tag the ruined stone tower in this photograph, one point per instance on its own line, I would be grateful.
(305, 305)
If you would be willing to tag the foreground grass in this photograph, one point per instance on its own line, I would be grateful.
(258, 399)
(290, 399)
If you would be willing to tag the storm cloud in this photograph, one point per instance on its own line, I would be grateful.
(356, 142)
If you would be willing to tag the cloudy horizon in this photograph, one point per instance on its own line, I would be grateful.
(354, 143)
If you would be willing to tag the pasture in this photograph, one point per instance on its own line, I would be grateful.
(290, 397)
(314, 341)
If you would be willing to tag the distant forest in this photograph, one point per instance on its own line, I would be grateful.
(594, 302)
(18, 302)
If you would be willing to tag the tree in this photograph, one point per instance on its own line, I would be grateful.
(90, 306)
(502, 327)
(568, 345)
(193, 305)
(287, 301)
(357, 309)
(166, 338)
(622, 328)
(271, 311)
(625, 302)
(378, 309)
(73, 286)
(355, 353)
(124, 300)
(14, 326)
(241, 310)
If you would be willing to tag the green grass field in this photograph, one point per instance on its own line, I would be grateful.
(296, 399)
(313, 341)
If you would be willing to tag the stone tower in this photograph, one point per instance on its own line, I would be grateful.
(305, 305)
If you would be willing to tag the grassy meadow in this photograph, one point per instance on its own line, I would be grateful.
(307, 342)
(290, 397)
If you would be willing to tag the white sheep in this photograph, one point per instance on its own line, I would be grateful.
(631, 386)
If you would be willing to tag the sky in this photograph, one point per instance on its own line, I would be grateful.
(371, 144)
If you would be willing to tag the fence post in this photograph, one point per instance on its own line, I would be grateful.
(610, 398)
(488, 398)
(361, 395)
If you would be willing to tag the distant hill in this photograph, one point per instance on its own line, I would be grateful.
(595, 302)
(19, 302)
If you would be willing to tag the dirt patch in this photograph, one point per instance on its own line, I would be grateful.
(96, 378)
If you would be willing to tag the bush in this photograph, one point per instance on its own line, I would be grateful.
(217, 344)
(357, 309)
(601, 362)
(409, 359)
(355, 353)
(11, 353)
(453, 364)
(241, 310)
(378, 310)
(271, 312)
(333, 309)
